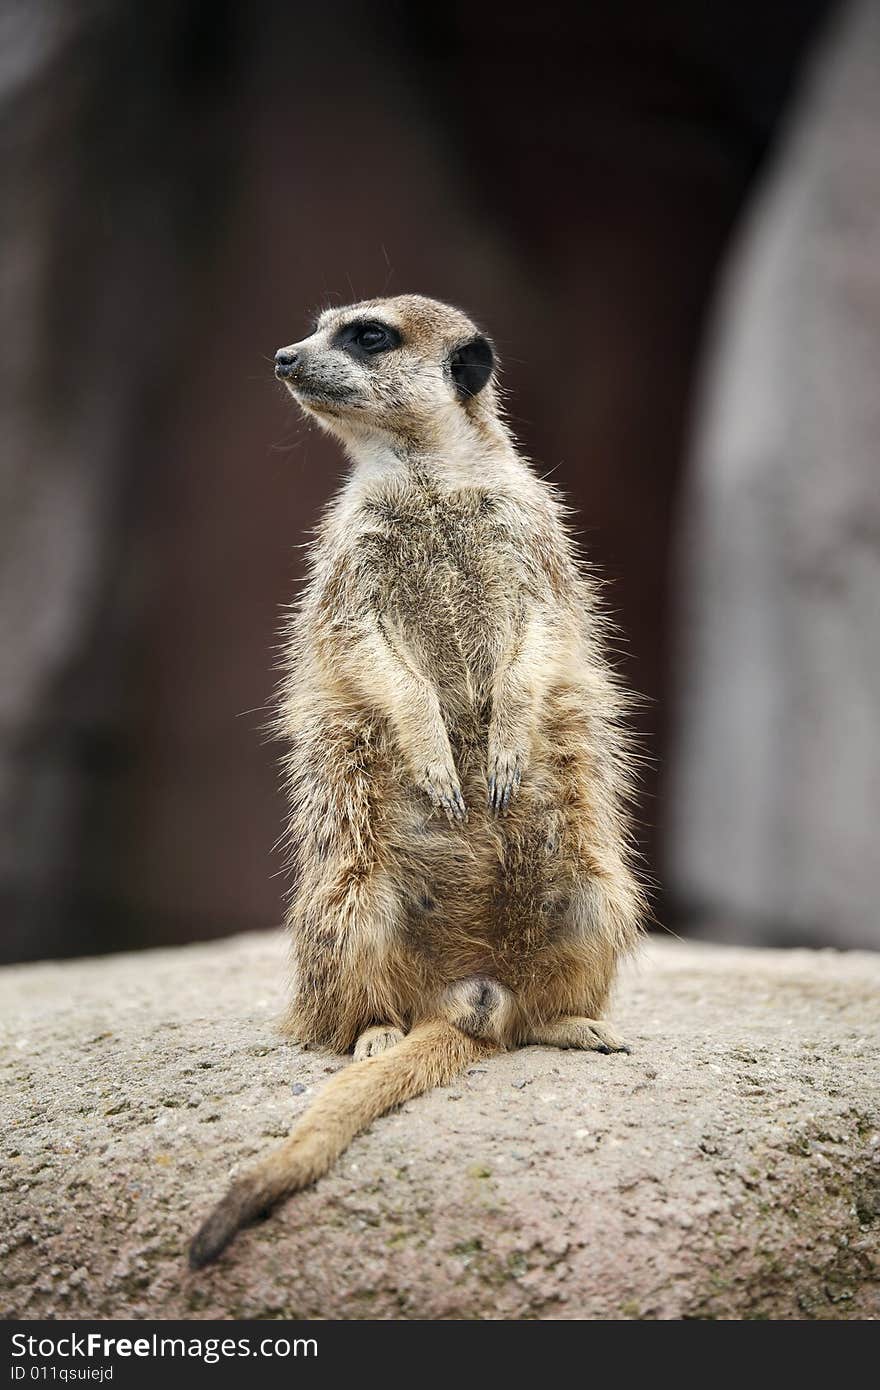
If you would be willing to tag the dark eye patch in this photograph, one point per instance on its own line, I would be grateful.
(365, 338)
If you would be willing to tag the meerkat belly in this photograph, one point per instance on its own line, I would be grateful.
(489, 896)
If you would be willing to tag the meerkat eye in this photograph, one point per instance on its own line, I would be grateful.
(372, 337)
(367, 338)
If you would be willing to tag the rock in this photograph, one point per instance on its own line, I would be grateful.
(727, 1168)
(774, 792)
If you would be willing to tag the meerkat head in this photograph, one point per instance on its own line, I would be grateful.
(406, 369)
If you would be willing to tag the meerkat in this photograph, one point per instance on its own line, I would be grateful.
(457, 760)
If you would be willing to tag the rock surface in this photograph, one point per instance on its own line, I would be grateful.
(730, 1167)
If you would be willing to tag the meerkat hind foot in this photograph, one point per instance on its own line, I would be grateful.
(590, 1034)
(376, 1040)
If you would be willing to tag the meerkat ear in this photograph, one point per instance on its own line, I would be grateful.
(471, 366)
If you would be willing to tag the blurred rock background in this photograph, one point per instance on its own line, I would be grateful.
(774, 783)
(184, 183)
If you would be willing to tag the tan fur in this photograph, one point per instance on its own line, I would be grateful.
(457, 768)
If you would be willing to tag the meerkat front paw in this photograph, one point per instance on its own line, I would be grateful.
(441, 782)
(504, 776)
(376, 1040)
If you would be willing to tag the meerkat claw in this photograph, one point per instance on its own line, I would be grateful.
(455, 808)
(503, 782)
(441, 785)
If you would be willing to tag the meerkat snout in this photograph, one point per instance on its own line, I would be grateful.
(285, 363)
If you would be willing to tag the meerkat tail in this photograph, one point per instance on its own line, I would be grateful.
(431, 1055)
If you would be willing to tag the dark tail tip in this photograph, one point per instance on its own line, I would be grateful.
(239, 1207)
(212, 1238)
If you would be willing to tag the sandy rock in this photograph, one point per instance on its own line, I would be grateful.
(730, 1167)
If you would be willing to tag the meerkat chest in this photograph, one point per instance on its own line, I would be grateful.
(449, 575)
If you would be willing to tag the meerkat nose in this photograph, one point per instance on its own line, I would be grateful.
(285, 362)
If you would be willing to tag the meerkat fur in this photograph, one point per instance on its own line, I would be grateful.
(457, 761)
